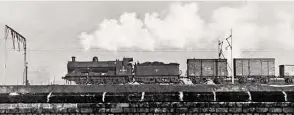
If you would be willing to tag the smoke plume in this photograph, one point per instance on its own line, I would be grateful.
(182, 27)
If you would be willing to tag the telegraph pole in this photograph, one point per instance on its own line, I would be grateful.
(19, 38)
(233, 77)
(25, 63)
(5, 54)
(218, 49)
(220, 53)
(230, 45)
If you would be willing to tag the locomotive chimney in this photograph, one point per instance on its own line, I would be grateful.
(73, 58)
(95, 59)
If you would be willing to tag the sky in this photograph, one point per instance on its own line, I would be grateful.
(55, 31)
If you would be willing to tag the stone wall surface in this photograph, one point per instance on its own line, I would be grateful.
(147, 100)
(138, 88)
(158, 108)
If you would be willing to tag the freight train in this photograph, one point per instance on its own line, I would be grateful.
(123, 71)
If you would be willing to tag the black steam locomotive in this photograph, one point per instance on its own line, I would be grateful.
(97, 72)
(121, 72)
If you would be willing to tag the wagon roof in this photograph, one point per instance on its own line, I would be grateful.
(219, 60)
(286, 65)
(254, 58)
(205, 59)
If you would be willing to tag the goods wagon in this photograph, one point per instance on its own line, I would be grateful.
(258, 69)
(199, 70)
(99, 72)
(287, 72)
(157, 72)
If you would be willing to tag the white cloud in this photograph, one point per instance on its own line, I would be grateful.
(182, 27)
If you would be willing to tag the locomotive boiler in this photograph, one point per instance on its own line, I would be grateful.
(99, 72)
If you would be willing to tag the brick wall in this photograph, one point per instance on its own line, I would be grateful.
(164, 108)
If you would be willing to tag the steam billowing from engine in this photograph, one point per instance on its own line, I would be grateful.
(182, 27)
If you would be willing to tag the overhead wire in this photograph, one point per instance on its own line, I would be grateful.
(102, 50)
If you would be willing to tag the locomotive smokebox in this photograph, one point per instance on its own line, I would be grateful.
(95, 59)
(73, 58)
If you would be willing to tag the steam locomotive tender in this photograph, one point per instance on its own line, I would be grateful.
(99, 72)
(157, 72)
